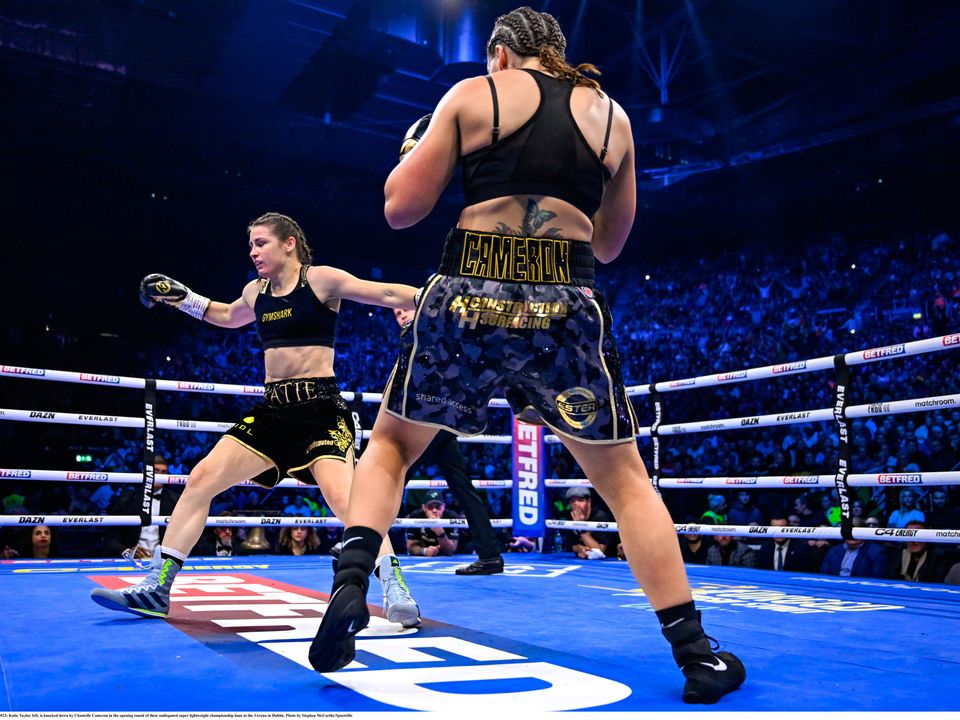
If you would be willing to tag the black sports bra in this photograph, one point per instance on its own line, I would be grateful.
(547, 155)
(294, 320)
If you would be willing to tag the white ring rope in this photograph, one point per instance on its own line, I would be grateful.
(860, 357)
(165, 479)
(946, 342)
(829, 533)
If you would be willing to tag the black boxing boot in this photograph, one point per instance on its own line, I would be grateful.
(710, 675)
(347, 612)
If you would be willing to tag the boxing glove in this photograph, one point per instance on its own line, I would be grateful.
(156, 288)
(414, 134)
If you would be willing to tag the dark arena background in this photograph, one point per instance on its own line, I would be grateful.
(787, 311)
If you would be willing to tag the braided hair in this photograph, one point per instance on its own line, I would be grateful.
(531, 33)
(283, 227)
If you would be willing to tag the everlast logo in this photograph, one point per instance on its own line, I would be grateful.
(13, 370)
(793, 416)
(32, 520)
(89, 377)
(98, 418)
(270, 521)
(146, 503)
(883, 352)
(15, 473)
(911, 479)
(750, 421)
(516, 259)
(43, 415)
(790, 367)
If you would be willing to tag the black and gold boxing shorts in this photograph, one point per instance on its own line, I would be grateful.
(517, 317)
(299, 422)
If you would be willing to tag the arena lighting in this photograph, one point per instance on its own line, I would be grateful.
(646, 277)
(84, 458)
(853, 266)
(853, 331)
(918, 316)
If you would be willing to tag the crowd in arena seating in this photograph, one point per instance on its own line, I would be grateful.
(678, 318)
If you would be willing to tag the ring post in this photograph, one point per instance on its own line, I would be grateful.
(149, 454)
(841, 399)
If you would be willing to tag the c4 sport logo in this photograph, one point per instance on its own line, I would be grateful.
(578, 406)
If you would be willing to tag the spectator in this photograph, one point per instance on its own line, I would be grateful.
(744, 511)
(299, 540)
(809, 516)
(717, 508)
(907, 512)
(589, 544)
(942, 515)
(855, 558)
(432, 541)
(785, 553)
(917, 561)
(694, 548)
(730, 551)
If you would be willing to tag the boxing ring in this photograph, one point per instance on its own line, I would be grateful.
(552, 633)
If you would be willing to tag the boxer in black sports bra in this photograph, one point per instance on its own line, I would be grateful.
(302, 426)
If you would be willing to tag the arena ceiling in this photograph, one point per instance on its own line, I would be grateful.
(750, 116)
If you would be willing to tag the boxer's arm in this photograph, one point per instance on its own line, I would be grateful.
(415, 184)
(329, 282)
(614, 219)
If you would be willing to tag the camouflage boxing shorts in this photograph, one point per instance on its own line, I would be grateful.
(517, 317)
(299, 422)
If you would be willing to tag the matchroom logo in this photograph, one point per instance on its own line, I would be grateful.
(434, 668)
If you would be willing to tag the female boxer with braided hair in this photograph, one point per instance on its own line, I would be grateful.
(302, 427)
(549, 181)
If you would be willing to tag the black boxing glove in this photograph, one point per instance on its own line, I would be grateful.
(414, 134)
(156, 288)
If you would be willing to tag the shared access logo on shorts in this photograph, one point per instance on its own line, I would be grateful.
(432, 669)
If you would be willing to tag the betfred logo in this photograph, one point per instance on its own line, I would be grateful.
(252, 390)
(741, 481)
(882, 352)
(901, 479)
(15, 474)
(90, 377)
(739, 375)
(14, 370)
(194, 386)
(682, 383)
(949, 340)
(790, 367)
(794, 480)
(87, 476)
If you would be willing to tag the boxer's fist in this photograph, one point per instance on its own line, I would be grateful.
(156, 288)
(414, 134)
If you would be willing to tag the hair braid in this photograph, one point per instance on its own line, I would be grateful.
(531, 33)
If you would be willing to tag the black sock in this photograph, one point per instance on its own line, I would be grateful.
(669, 616)
(358, 555)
